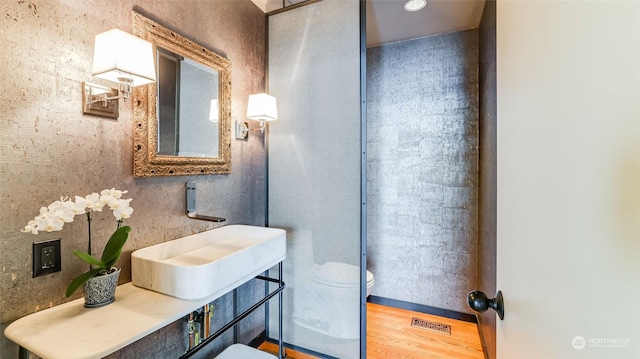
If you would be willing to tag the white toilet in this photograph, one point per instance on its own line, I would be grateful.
(326, 296)
(240, 351)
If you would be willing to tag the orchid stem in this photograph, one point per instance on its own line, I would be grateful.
(89, 226)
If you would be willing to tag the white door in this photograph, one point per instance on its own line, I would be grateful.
(568, 225)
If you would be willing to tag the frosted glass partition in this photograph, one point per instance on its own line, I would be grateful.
(315, 173)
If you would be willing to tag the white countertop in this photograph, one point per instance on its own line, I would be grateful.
(70, 330)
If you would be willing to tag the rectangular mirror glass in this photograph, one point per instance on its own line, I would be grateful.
(187, 107)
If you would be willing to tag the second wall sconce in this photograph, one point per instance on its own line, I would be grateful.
(121, 58)
(261, 107)
(213, 112)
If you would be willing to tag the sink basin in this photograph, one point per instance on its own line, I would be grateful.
(207, 263)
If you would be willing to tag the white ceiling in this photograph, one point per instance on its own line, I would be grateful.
(388, 21)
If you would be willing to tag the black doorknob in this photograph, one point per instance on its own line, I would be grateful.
(478, 302)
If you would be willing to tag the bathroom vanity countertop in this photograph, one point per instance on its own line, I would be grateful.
(70, 330)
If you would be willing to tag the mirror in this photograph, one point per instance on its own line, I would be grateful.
(187, 106)
(182, 122)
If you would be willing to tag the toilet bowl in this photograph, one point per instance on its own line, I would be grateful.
(341, 275)
(326, 297)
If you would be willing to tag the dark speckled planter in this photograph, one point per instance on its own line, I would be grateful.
(101, 290)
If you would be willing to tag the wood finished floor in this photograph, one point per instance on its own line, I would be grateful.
(390, 335)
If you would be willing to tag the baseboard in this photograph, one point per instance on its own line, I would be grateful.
(302, 350)
(261, 338)
(414, 307)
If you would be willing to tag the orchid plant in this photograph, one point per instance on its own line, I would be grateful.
(53, 217)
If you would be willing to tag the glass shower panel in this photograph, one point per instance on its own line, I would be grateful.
(315, 173)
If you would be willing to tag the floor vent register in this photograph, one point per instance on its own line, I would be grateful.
(432, 326)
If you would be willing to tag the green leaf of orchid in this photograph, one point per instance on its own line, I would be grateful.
(89, 259)
(113, 248)
(81, 279)
(108, 265)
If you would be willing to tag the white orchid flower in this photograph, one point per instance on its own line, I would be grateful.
(43, 211)
(107, 199)
(63, 213)
(117, 203)
(121, 208)
(94, 203)
(79, 206)
(50, 224)
(53, 217)
(57, 204)
(122, 212)
(117, 193)
(32, 227)
(113, 202)
(94, 197)
(53, 206)
(113, 193)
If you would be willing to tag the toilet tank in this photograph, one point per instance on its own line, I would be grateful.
(299, 264)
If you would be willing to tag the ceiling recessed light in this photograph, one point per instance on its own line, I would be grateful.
(415, 5)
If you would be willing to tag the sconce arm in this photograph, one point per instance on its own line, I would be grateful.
(103, 99)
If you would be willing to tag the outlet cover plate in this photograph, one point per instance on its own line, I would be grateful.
(46, 257)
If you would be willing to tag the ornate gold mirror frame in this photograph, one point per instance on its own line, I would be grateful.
(146, 160)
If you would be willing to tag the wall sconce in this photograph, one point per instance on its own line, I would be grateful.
(213, 112)
(122, 58)
(261, 107)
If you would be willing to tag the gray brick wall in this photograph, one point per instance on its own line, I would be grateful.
(422, 180)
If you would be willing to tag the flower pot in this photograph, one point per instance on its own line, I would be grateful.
(101, 289)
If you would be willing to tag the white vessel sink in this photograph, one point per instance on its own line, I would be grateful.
(210, 262)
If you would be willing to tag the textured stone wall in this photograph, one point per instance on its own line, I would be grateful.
(422, 180)
(49, 149)
(487, 172)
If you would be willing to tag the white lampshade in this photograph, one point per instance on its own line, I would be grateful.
(213, 112)
(262, 107)
(120, 54)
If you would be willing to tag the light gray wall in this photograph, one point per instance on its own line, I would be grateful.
(422, 180)
(49, 149)
(314, 154)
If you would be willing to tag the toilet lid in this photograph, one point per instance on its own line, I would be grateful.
(339, 275)
(241, 351)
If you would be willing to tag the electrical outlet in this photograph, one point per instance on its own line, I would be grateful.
(46, 257)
